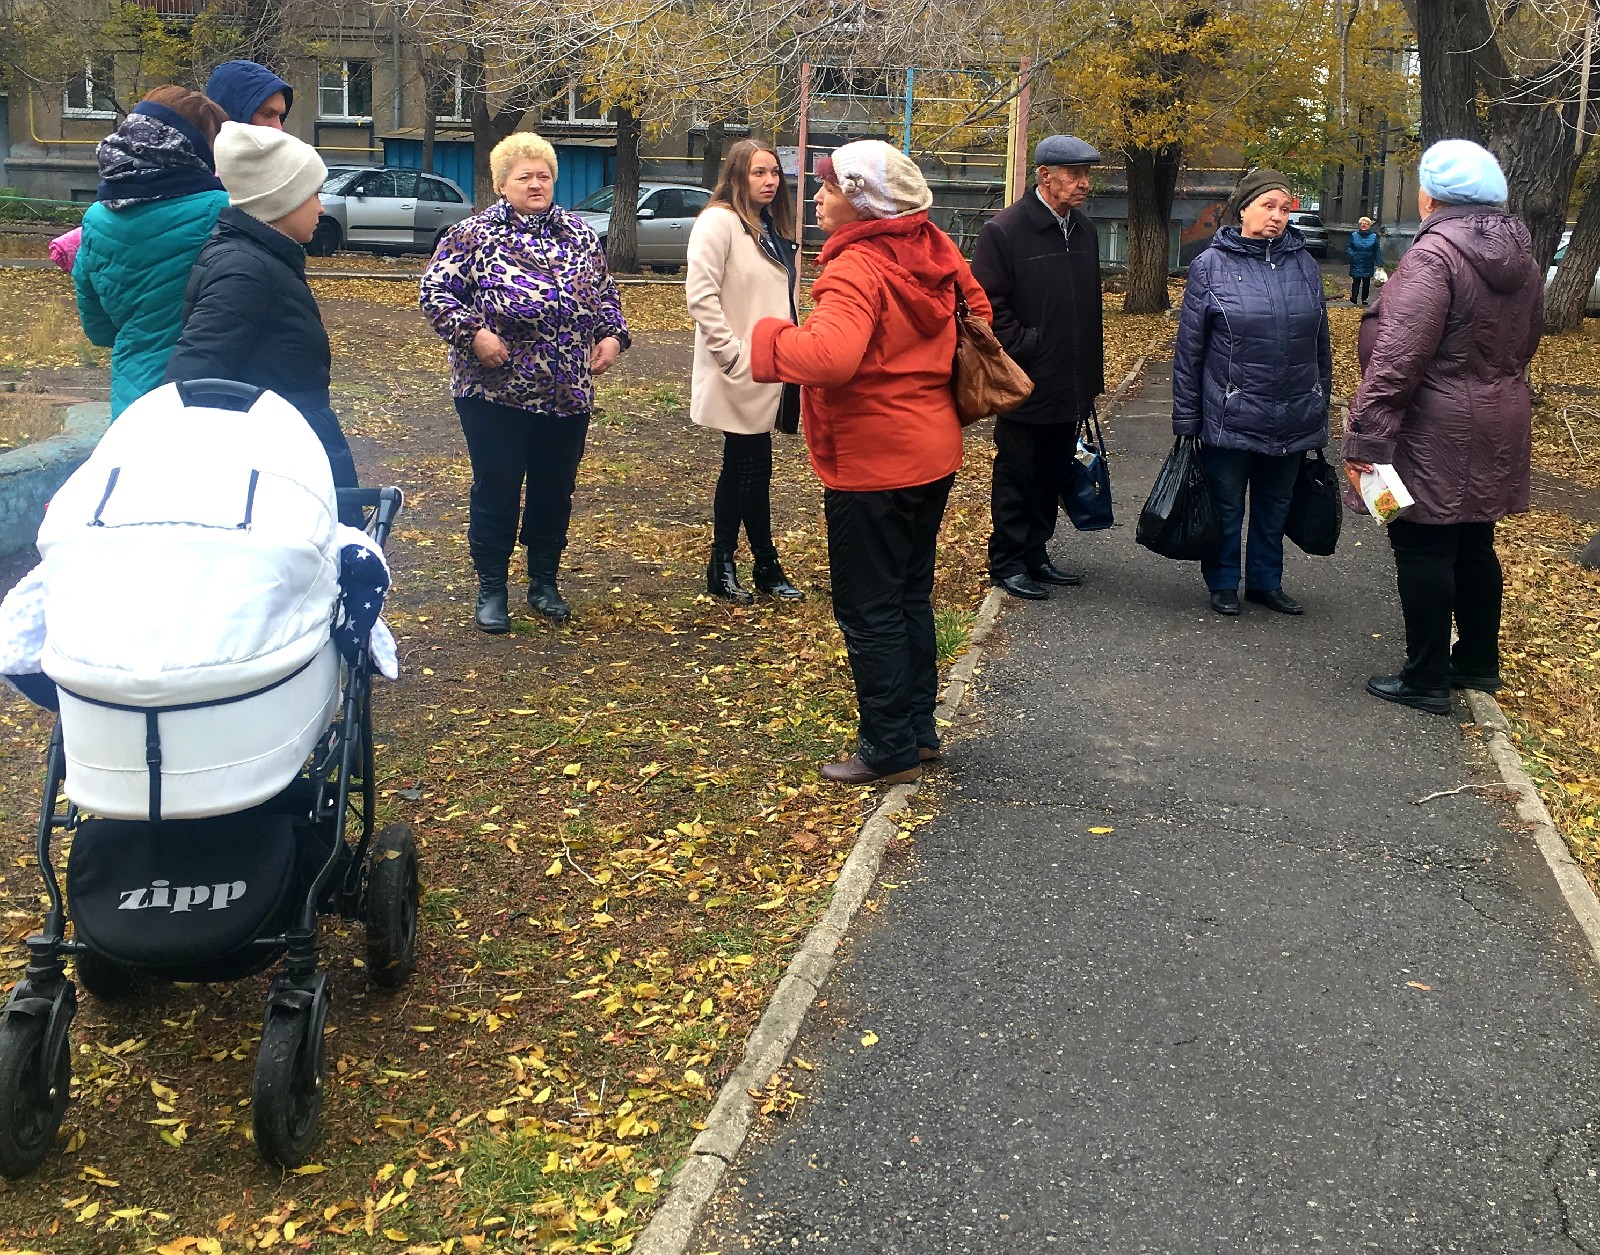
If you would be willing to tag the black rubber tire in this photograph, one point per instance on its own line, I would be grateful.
(325, 240)
(33, 1094)
(286, 1103)
(391, 914)
(105, 978)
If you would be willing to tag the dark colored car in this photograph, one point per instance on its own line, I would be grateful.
(1310, 226)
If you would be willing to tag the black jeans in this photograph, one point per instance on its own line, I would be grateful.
(1447, 571)
(1023, 500)
(1360, 289)
(881, 548)
(325, 423)
(744, 494)
(507, 446)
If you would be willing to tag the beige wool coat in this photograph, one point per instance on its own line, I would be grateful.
(731, 283)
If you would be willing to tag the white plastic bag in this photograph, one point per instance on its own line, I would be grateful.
(1380, 276)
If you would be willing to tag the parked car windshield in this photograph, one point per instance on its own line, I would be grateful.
(597, 202)
(1305, 220)
(334, 184)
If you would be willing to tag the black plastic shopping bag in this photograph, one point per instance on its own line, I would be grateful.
(1179, 519)
(1316, 510)
(1083, 481)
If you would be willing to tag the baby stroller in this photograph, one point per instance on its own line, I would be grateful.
(214, 743)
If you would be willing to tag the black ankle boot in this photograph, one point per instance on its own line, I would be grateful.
(493, 615)
(722, 580)
(767, 573)
(543, 596)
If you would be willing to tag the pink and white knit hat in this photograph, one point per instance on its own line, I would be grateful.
(877, 178)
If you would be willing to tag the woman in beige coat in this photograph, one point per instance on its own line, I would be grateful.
(742, 267)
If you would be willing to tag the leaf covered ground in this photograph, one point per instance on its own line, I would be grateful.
(623, 840)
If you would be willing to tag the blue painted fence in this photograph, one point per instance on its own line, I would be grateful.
(583, 168)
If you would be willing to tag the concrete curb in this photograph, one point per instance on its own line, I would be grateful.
(696, 1182)
(30, 476)
(1531, 810)
(673, 1226)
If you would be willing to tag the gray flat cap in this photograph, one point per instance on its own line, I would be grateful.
(1064, 150)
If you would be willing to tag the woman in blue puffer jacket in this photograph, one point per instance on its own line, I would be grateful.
(1251, 375)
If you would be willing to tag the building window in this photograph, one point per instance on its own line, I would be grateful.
(344, 91)
(452, 98)
(583, 108)
(90, 94)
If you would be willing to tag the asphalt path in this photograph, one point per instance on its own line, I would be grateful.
(1279, 1007)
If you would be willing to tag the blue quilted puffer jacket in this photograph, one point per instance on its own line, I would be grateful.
(1253, 367)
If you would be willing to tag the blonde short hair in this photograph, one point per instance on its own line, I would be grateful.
(520, 146)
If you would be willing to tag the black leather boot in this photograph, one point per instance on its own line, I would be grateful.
(544, 597)
(493, 615)
(722, 580)
(770, 579)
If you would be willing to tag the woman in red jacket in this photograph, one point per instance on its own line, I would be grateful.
(874, 364)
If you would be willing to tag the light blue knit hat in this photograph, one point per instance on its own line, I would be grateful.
(1459, 172)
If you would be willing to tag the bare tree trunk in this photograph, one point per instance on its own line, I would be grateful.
(1536, 151)
(622, 244)
(1564, 302)
(711, 162)
(1152, 180)
(1447, 44)
(1589, 555)
(430, 133)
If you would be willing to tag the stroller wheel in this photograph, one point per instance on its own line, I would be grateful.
(105, 978)
(286, 1105)
(391, 914)
(33, 1093)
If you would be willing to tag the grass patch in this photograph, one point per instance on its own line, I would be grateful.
(27, 419)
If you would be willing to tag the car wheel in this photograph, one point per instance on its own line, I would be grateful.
(325, 240)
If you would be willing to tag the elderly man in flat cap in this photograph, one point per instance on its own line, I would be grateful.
(1039, 262)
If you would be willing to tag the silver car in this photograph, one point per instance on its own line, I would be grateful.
(666, 213)
(1310, 226)
(386, 210)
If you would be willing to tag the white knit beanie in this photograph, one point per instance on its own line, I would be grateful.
(877, 178)
(268, 173)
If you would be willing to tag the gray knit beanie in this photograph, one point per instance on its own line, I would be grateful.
(268, 172)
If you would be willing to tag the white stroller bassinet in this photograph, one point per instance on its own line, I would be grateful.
(191, 572)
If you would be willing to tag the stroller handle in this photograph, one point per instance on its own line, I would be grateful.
(385, 503)
(231, 394)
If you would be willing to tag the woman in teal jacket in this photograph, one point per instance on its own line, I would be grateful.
(158, 201)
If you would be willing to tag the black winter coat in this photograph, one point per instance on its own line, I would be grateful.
(248, 315)
(1253, 366)
(1045, 289)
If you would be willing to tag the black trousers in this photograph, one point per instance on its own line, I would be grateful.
(506, 447)
(1360, 289)
(881, 548)
(326, 425)
(744, 494)
(1022, 500)
(1448, 572)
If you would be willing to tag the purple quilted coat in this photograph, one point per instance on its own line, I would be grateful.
(1444, 352)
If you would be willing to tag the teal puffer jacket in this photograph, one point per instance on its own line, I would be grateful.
(131, 271)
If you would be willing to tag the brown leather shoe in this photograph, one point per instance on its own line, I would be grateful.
(930, 753)
(854, 771)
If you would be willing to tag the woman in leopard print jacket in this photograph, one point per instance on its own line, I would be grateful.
(521, 294)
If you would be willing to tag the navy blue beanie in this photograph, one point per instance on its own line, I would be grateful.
(240, 87)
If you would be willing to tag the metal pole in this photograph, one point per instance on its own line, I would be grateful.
(1019, 134)
(911, 79)
(803, 162)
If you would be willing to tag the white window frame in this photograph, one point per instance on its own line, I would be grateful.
(69, 110)
(574, 92)
(344, 92)
(455, 92)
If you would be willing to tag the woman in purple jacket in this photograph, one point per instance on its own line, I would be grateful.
(1251, 373)
(1444, 397)
(522, 295)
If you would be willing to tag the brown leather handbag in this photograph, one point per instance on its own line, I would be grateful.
(985, 379)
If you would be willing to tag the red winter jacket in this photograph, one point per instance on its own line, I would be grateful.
(1443, 350)
(875, 357)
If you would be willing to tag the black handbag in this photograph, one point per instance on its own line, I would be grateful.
(1179, 518)
(789, 409)
(1316, 510)
(1084, 486)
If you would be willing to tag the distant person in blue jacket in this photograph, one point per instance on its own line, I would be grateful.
(1251, 377)
(249, 92)
(1363, 252)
